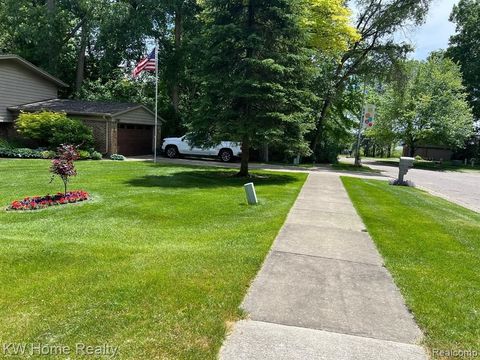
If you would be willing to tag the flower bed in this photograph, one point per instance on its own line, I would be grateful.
(38, 202)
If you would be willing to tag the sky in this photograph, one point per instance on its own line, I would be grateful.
(434, 34)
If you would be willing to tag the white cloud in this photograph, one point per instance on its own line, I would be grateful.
(435, 33)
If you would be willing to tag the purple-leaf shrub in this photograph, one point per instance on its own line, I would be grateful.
(63, 165)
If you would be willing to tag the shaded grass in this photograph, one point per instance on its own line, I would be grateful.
(432, 249)
(340, 166)
(156, 264)
(351, 167)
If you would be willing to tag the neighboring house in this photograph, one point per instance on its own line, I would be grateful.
(430, 152)
(117, 127)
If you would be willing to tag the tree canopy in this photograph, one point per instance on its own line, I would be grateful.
(328, 25)
(373, 54)
(428, 106)
(287, 73)
(465, 48)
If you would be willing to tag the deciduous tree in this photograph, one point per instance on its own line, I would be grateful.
(430, 107)
(377, 21)
(465, 48)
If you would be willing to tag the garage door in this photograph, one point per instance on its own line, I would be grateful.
(134, 139)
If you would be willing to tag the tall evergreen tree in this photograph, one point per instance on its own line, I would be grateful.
(254, 76)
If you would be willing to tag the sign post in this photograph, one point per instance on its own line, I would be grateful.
(367, 121)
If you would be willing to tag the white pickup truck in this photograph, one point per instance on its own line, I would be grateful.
(226, 151)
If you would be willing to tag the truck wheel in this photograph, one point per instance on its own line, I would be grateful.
(172, 152)
(226, 155)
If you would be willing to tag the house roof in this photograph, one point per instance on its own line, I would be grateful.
(33, 68)
(81, 107)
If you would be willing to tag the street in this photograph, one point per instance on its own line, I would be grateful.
(461, 187)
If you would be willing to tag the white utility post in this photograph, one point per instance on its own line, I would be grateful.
(251, 194)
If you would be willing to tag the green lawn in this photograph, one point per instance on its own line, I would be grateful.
(157, 263)
(432, 249)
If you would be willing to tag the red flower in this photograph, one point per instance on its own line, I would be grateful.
(38, 202)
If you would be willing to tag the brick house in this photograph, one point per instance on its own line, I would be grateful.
(122, 128)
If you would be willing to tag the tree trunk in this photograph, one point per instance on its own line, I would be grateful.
(81, 61)
(246, 106)
(245, 157)
(266, 157)
(51, 35)
(318, 128)
(178, 45)
(50, 6)
(411, 149)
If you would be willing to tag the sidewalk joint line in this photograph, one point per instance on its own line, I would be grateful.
(327, 211)
(326, 227)
(327, 258)
(336, 332)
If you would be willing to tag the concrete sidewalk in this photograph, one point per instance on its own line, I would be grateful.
(323, 292)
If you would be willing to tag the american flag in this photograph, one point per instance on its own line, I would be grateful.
(147, 64)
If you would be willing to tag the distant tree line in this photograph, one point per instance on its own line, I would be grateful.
(425, 105)
(437, 101)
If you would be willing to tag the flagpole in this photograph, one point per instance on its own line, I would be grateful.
(156, 102)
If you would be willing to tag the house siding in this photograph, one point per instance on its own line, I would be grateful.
(434, 153)
(19, 85)
(139, 116)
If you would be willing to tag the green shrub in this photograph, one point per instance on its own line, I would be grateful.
(48, 154)
(53, 129)
(418, 158)
(117, 157)
(20, 153)
(10, 143)
(83, 155)
(396, 153)
(4, 144)
(95, 155)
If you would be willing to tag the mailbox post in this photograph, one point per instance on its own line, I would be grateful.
(406, 163)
